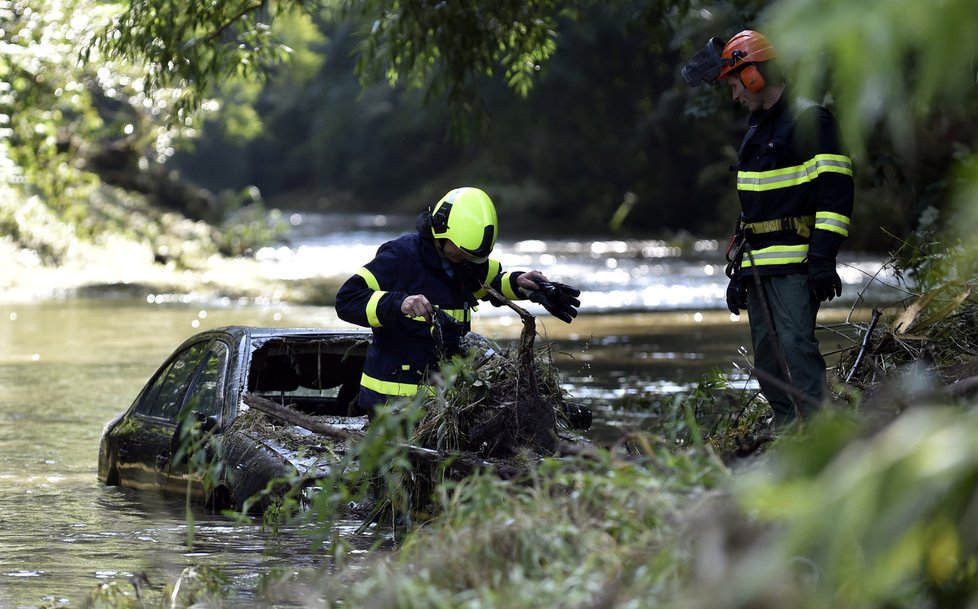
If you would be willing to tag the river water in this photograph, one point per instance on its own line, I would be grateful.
(652, 323)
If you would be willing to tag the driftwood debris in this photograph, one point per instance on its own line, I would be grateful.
(535, 423)
(877, 313)
(464, 462)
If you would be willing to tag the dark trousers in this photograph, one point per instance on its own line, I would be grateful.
(792, 313)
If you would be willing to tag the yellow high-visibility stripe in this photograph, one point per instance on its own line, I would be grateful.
(776, 254)
(462, 315)
(507, 286)
(785, 177)
(494, 269)
(372, 282)
(391, 388)
(371, 311)
(837, 223)
(387, 387)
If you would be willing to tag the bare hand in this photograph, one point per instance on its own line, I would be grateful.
(528, 280)
(417, 305)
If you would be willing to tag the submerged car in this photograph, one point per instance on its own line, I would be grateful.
(315, 371)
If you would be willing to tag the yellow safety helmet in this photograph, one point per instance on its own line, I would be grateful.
(466, 217)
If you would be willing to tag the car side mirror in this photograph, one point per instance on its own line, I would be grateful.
(208, 423)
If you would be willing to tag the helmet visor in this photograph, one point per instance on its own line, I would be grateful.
(705, 65)
(480, 253)
(472, 258)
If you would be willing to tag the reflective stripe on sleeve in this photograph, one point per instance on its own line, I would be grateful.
(372, 282)
(494, 269)
(837, 223)
(776, 254)
(371, 311)
(507, 286)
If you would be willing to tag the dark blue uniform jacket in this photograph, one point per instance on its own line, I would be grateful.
(403, 348)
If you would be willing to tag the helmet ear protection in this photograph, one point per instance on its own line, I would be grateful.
(751, 78)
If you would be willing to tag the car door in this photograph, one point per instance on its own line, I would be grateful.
(145, 436)
(190, 466)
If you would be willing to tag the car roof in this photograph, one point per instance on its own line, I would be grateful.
(248, 333)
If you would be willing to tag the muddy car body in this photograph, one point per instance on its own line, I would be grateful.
(316, 371)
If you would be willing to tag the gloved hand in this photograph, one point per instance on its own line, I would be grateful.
(736, 295)
(447, 333)
(823, 280)
(559, 299)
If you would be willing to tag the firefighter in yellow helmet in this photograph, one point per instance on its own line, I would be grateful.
(419, 291)
(795, 185)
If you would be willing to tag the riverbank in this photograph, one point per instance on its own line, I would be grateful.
(116, 266)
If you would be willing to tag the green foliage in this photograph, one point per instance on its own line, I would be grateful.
(68, 127)
(195, 46)
(583, 532)
(444, 48)
(883, 62)
(902, 80)
(596, 81)
(44, 101)
(885, 521)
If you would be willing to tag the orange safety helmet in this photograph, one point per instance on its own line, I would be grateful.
(741, 53)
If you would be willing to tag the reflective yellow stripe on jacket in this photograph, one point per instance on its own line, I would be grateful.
(390, 388)
(785, 177)
(374, 301)
(462, 315)
(837, 223)
(387, 387)
(494, 268)
(775, 254)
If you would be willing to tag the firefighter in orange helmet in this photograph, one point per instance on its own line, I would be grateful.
(796, 190)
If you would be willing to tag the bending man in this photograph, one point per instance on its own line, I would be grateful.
(437, 271)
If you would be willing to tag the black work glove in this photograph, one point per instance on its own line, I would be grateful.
(736, 295)
(823, 281)
(559, 299)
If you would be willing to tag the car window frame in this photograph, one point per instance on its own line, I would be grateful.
(150, 390)
(218, 348)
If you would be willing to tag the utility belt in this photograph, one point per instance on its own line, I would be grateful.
(799, 224)
(802, 225)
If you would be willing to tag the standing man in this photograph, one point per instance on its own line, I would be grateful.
(796, 192)
(435, 274)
